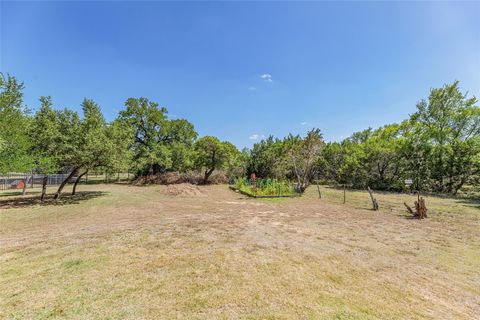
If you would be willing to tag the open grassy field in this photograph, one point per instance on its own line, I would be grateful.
(157, 252)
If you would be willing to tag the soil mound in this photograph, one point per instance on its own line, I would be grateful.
(184, 189)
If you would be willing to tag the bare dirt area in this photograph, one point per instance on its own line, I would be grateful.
(184, 189)
(205, 252)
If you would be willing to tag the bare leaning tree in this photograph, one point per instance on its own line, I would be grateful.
(303, 154)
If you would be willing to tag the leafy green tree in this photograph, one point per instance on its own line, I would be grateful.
(382, 160)
(94, 146)
(44, 134)
(303, 154)
(415, 150)
(14, 121)
(268, 159)
(344, 163)
(212, 154)
(120, 140)
(237, 164)
(159, 144)
(69, 145)
(450, 123)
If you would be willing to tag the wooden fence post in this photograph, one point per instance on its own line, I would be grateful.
(25, 181)
(319, 192)
(344, 190)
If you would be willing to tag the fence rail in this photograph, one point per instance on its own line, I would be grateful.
(18, 180)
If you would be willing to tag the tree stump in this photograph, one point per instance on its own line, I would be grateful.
(420, 209)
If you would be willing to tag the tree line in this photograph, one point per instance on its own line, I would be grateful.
(141, 140)
(438, 146)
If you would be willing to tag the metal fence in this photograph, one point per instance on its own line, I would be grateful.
(18, 180)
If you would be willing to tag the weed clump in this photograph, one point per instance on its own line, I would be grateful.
(264, 187)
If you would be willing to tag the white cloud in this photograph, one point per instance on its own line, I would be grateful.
(266, 77)
(303, 123)
(252, 88)
(256, 136)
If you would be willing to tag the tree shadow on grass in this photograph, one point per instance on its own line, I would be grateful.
(470, 202)
(65, 199)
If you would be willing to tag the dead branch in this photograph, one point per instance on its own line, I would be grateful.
(374, 201)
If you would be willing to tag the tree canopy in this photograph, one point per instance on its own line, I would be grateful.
(438, 146)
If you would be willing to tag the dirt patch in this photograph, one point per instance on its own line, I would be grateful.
(184, 189)
(224, 255)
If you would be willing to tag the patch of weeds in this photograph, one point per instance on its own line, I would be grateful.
(336, 279)
(345, 315)
(72, 263)
(50, 313)
(273, 200)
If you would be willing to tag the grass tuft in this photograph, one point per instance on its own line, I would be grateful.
(72, 263)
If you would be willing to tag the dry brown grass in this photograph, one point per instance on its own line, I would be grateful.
(140, 253)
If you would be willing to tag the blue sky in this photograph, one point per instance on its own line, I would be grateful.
(241, 70)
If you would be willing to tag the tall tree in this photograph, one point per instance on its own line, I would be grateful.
(14, 122)
(44, 135)
(450, 121)
(159, 144)
(268, 160)
(69, 145)
(212, 154)
(303, 154)
(120, 139)
(94, 145)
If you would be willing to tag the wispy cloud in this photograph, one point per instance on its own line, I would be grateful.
(252, 88)
(267, 77)
(303, 123)
(256, 136)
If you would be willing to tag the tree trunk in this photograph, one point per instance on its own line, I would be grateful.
(421, 208)
(77, 181)
(374, 201)
(208, 173)
(302, 187)
(25, 186)
(64, 182)
(44, 187)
